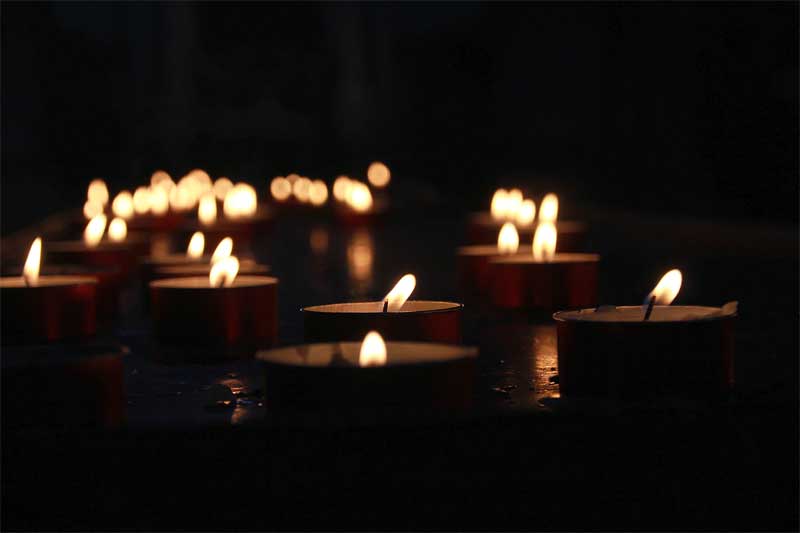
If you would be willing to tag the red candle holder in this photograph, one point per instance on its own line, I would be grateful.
(473, 271)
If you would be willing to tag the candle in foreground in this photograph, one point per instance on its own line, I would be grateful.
(396, 316)
(615, 352)
(40, 309)
(369, 375)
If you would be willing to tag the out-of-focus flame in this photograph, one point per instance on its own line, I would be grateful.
(223, 250)
(122, 206)
(117, 230)
(548, 210)
(318, 193)
(30, 272)
(667, 288)
(341, 186)
(378, 175)
(223, 272)
(94, 230)
(360, 256)
(373, 350)
(240, 202)
(301, 188)
(513, 203)
(202, 181)
(196, 245)
(318, 240)
(507, 239)
(526, 213)
(162, 180)
(183, 197)
(358, 197)
(221, 187)
(499, 207)
(544, 241)
(159, 201)
(207, 209)
(97, 192)
(91, 209)
(292, 178)
(400, 292)
(141, 200)
(280, 188)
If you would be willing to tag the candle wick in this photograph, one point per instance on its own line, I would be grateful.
(385, 306)
(649, 308)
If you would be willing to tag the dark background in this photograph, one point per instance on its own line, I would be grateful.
(674, 108)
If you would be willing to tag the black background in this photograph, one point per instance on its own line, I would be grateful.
(674, 108)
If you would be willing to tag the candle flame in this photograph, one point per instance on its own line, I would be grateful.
(513, 203)
(159, 201)
(240, 202)
(122, 206)
(97, 192)
(141, 200)
(280, 188)
(499, 207)
(196, 245)
(301, 189)
(318, 193)
(358, 197)
(400, 292)
(341, 188)
(544, 242)
(526, 213)
(94, 230)
(378, 175)
(548, 210)
(221, 187)
(667, 288)
(507, 239)
(373, 350)
(162, 180)
(223, 250)
(30, 272)
(223, 272)
(91, 209)
(117, 230)
(207, 209)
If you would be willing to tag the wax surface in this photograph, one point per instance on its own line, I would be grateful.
(398, 353)
(198, 282)
(527, 258)
(46, 281)
(479, 250)
(661, 313)
(192, 268)
(411, 306)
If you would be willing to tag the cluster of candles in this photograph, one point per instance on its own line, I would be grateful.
(216, 307)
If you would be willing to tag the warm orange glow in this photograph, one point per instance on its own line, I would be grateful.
(400, 292)
(117, 230)
(548, 210)
(202, 179)
(94, 231)
(30, 272)
(373, 350)
(97, 192)
(499, 207)
(280, 188)
(159, 201)
(667, 288)
(122, 206)
(207, 209)
(162, 180)
(240, 202)
(513, 203)
(184, 196)
(221, 187)
(301, 188)
(507, 239)
(223, 272)
(91, 209)
(341, 186)
(319, 240)
(358, 197)
(544, 241)
(292, 177)
(378, 175)
(526, 213)
(196, 245)
(360, 256)
(141, 200)
(318, 193)
(223, 250)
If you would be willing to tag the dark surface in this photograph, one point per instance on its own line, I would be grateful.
(522, 459)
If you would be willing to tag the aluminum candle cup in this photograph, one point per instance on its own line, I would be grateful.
(614, 353)
(415, 377)
(567, 281)
(56, 308)
(472, 266)
(196, 322)
(482, 229)
(418, 320)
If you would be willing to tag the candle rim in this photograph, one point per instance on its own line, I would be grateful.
(716, 314)
(563, 258)
(44, 281)
(328, 309)
(195, 283)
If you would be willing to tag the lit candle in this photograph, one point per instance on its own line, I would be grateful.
(369, 375)
(650, 350)
(397, 316)
(473, 261)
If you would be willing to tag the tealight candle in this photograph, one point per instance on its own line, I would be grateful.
(473, 261)
(221, 315)
(372, 375)
(117, 251)
(356, 204)
(40, 309)
(544, 280)
(395, 315)
(653, 350)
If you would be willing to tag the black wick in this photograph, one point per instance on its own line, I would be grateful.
(649, 308)
(385, 306)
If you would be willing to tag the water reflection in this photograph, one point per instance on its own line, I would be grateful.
(360, 256)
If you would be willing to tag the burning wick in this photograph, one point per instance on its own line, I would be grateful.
(385, 306)
(399, 294)
(30, 272)
(666, 291)
(649, 310)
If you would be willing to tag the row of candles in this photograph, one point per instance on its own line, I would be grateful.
(232, 312)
